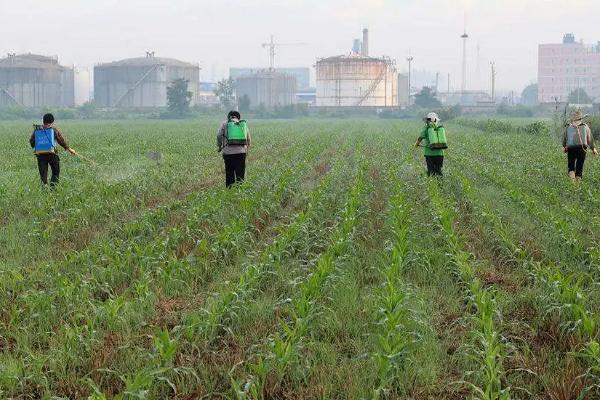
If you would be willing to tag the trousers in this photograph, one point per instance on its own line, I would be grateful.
(434, 165)
(52, 160)
(235, 168)
(575, 160)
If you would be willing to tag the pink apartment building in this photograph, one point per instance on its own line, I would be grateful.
(566, 66)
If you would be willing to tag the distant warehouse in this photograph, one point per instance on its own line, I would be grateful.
(267, 88)
(31, 80)
(141, 82)
(302, 74)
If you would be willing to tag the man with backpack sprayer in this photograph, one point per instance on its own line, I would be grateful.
(43, 140)
(577, 138)
(233, 140)
(434, 141)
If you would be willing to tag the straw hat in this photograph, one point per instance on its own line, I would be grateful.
(576, 116)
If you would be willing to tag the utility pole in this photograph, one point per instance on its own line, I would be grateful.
(478, 67)
(409, 59)
(493, 65)
(464, 37)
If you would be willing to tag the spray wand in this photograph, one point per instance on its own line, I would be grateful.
(76, 154)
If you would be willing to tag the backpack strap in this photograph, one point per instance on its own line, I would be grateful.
(580, 138)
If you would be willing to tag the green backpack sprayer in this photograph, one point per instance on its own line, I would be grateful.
(436, 137)
(237, 133)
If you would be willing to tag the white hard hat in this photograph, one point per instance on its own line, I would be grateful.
(433, 117)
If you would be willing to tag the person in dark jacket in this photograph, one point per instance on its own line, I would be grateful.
(51, 157)
(234, 153)
(577, 139)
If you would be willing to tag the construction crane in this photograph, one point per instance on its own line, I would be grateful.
(271, 45)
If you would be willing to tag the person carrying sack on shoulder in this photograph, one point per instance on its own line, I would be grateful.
(43, 140)
(433, 137)
(577, 138)
(233, 140)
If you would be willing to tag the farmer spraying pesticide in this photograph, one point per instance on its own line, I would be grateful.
(43, 140)
(577, 138)
(233, 140)
(433, 137)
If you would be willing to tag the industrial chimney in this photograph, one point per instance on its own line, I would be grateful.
(365, 43)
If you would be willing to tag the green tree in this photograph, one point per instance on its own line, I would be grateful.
(225, 91)
(426, 98)
(529, 96)
(178, 96)
(244, 103)
(579, 96)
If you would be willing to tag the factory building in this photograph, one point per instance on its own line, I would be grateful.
(82, 86)
(268, 88)
(357, 80)
(31, 80)
(302, 75)
(403, 95)
(141, 82)
(565, 67)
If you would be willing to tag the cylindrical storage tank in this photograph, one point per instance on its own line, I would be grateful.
(356, 81)
(141, 82)
(31, 80)
(267, 88)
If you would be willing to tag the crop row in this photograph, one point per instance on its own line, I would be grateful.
(488, 351)
(284, 347)
(394, 337)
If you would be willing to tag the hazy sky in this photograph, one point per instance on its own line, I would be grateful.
(219, 34)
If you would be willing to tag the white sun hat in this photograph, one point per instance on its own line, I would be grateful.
(433, 117)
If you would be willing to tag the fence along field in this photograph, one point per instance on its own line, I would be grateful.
(338, 270)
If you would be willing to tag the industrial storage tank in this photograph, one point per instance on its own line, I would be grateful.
(141, 82)
(32, 80)
(268, 88)
(357, 80)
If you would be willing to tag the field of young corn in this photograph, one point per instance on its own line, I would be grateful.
(338, 270)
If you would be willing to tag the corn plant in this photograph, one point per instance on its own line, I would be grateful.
(393, 338)
(284, 346)
(565, 297)
(488, 350)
